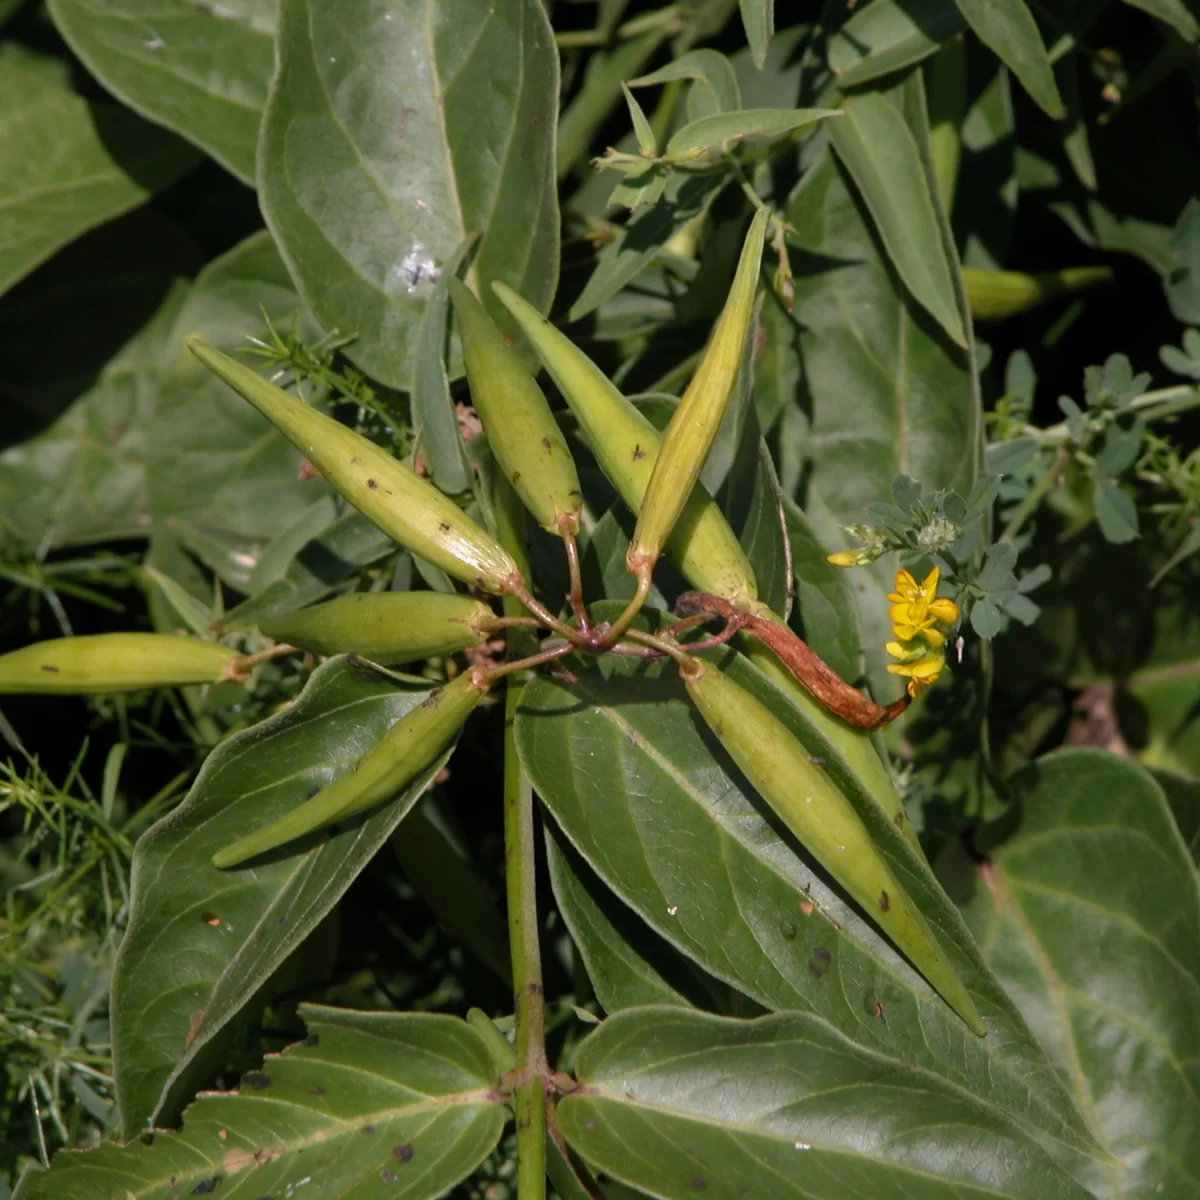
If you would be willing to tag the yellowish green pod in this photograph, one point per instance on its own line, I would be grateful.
(626, 445)
(994, 295)
(825, 823)
(113, 662)
(406, 750)
(388, 627)
(521, 430)
(689, 436)
(406, 507)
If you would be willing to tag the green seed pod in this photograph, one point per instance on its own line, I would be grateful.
(520, 427)
(626, 445)
(406, 507)
(693, 427)
(388, 627)
(113, 662)
(826, 824)
(994, 295)
(406, 750)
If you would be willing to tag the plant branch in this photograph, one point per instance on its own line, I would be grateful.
(1036, 495)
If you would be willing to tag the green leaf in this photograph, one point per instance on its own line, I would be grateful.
(201, 942)
(623, 259)
(709, 137)
(1090, 913)
(223, 477)
(68, 165)
(883, 393)
(824, 598)
(368, 1104)
(84, 479)
(715, 86)
(199, 69)
(875, 145)
(1183, 797)
(1116, 513)
(391, 133)
(645, 795)
(886, 35)
(1174, 13)
(1008, 29)
(647, 142)
(758, 19)
(1183, 272)
(822, 1119)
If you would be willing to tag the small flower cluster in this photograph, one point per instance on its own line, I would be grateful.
(919, 621)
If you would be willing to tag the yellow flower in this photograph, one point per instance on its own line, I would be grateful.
(846, 558)
(919, 620)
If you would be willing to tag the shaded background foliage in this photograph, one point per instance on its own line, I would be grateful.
(300, 174)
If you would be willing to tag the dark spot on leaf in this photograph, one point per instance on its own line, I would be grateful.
(516, 476)
(404, 1152)
(590, 1125)
(372, 484)
(814, 970)
(899, 819)
(547, 443)
(431, 701)
(313, 1039)
(204, 1187)
(444, 526)
(699, 1185)
(368, 1129)
(823, 954)
(171, 1181)
(388, 1176)
(885, 901)
(48, 667)
(638, 453)
(256, 1079)
(147, 1137)
(317, 1091)
(312, 791)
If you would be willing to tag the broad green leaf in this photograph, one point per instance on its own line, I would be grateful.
(68, 165)
(709, 137)
(1175, 13)
(1008, 29)
(886, 35)
(715, 86)
(876, 147)
(824, 598)
(84, 479)
(1090, 914)
(219, 472)
(884, 393)
(758, 19)
(368, 1104)
(625, 962)
(1183, 796)
(634, 247)
(811, 1115)
(643, 793)
(1116, 513)
(394, 131)
(199, 69)
(201, 942)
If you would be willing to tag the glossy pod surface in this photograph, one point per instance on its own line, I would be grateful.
(389, 627)
(689, 436)
(406, 507)
(520, 428)
(626, 446)
(387, 768)
(112, 662)
(826, 824)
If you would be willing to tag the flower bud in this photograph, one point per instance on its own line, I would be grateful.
(387, 627)
(520, 427)
(407, 749)
(113, 662)
(825, 822)
(406, 507)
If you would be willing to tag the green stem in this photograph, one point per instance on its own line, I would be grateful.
(532, 1069)
(1036, 495)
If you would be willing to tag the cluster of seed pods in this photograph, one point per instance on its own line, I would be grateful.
(657, 476)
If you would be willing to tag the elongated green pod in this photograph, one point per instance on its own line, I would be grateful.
(994, 295)
(694, 425)
(520, 428)
(406, 507)
(113, 662)
(387, 768)
(825, 823)
(389, 627)
(626, 445)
